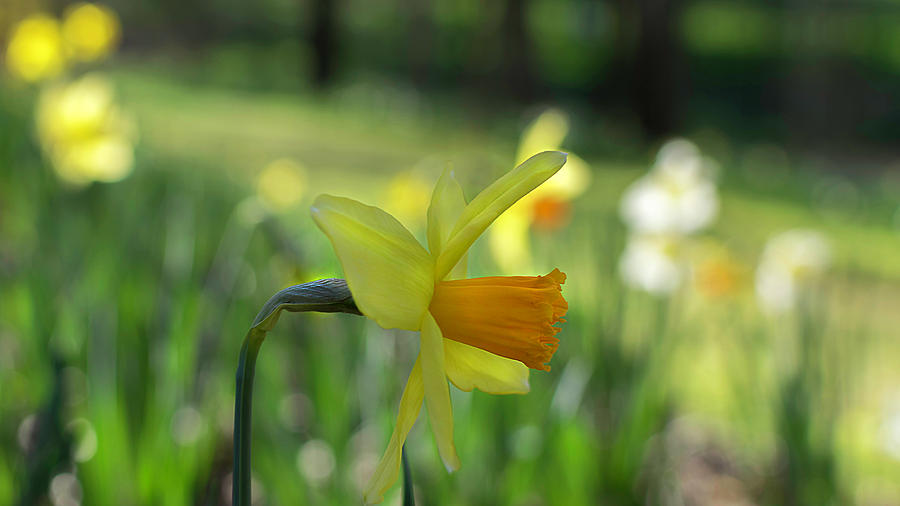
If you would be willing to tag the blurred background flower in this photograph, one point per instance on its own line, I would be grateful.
(547, 208)
(91, 31)
(662, 209)
(654, 263)
(41, 47)
(84, 132)
(791, 263)
(407, 195)
(717, 272)
(678, 195)
(35, 51)
(282, 184)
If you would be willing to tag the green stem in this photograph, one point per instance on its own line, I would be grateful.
(409, 498)
(324, 295)
(240, 492)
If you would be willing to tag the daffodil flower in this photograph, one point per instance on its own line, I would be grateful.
(653, 263)
(91, 31)
(678, 196)
(480, 333)
(547, 208)
(790, 263)
(84, 132)
(35, 52)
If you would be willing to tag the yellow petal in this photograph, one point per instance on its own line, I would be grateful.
(510, 242)
(91, 31)
(388, 272)
(437, 392)
(469, 367)
(570, 182)
(447, 203)
(546, 132)
(389, 466)
(492, 201)
(35, 50)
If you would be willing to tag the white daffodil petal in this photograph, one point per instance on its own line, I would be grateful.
(492, 201)
(388, 272)
(437, 392)
(447, 204)
(388, 467)
(469, 367)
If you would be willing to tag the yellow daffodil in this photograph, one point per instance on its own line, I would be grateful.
(480, 333)
(406, 195)
(35, 50)
(91, 31)
(84, 132)
(282, 183)
(717, 273)
(546, 208)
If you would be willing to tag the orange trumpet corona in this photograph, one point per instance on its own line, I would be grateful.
(510, 316)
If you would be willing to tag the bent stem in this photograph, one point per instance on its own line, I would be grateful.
(243, 401)
(409, 498)
(325, 296)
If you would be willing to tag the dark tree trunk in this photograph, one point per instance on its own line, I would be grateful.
(518, 77)
(656, 86)
(324, 41)
(421, 30)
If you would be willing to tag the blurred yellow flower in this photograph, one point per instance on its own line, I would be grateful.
(282, 184)
(406, 195)
(84, 133)
(717, 273)
(548, 130)
(91, 31)
(35, 50)
(480, 333)
(548, 207)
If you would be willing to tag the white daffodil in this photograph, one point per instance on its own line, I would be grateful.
(678, 196)
(790, 261)
(652, 263)
(891, 429)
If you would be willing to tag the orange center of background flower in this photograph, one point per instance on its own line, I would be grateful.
(551, 213)
(510, 316)
(719, 278)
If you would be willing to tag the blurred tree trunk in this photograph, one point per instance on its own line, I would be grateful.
(324, 41)
(421, 30)
(811, 105)
(518, 76)
(652, 58)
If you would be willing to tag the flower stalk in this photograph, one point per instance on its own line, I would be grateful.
(323, 296)
(408, 495)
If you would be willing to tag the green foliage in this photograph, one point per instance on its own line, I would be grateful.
(145, 288)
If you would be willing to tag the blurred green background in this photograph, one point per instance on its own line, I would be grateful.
(730, 228)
